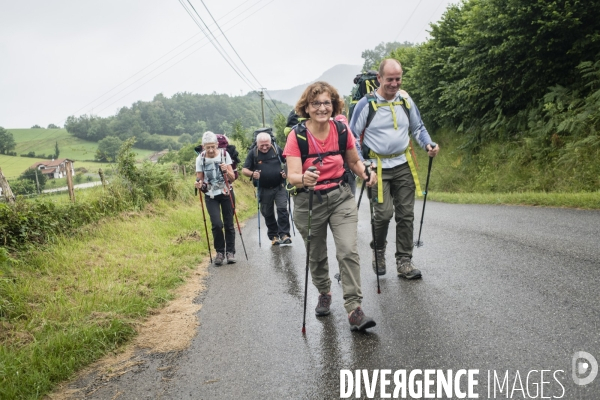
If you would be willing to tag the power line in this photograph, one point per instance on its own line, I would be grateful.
(428, 21)
(402, 30)
(233, 48)
(161, 57)
(230, 20)
(177, 62)
(236, 53)
(222, 52)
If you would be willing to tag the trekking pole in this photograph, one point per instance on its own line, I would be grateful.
(370, 194)
(311, 191)
(418, 243)
(205, 227)
(234, 213)
(290, 212)
(258, 208)
(362, 189)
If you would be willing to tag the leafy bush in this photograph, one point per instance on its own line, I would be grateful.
(41, 220)
(23, 187)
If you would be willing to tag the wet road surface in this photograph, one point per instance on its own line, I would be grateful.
(511, 289)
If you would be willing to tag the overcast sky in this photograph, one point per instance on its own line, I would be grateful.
(73, 57)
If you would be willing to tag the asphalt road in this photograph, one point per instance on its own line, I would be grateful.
(509, 291)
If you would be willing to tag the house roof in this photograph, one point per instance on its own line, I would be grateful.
(47, 171)
(53, 163)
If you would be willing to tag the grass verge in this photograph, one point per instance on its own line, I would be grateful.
(64, 305)
(585, 200)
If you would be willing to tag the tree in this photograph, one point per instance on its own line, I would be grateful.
(238, 134)
(108, 149)
(56, 150)
(30, 174)
(373, 57)
(7, 141)
(185, 138)
(52, 126)
(36, 126)
(24, 186)
(279, 123)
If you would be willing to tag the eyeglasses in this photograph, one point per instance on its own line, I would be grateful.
(318, 104)
(210, 146)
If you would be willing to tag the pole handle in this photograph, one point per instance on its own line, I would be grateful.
(367, 165)
(312, 169)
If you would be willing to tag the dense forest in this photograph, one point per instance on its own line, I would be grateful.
(185, 116)
(517, 81)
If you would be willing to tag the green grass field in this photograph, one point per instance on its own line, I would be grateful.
(42, 141)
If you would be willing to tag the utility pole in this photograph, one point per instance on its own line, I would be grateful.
(262, 104)
(37, 182)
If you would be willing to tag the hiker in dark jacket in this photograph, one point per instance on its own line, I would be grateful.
(264, 164)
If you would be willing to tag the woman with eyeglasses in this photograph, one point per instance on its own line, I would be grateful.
(212, 166)
(325, 144)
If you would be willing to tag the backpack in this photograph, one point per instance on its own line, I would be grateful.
(293, 119)
(254, 147)
(223, 143)
(265, 130)
(364, 83)
(300, 132)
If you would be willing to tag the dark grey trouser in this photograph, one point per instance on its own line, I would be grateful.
(221, 204)
(269, 199)
(338, 211)
(398, 201)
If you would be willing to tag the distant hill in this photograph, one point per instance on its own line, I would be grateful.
(340, 76)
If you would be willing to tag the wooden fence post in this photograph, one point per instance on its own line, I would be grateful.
(70, 181)
(6, 191)
(101, 173)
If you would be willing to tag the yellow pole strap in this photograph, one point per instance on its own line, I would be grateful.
(379, 181)
(413, 171)
(411, 165)
(372, 154)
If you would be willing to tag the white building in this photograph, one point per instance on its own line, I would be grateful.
(55, 168)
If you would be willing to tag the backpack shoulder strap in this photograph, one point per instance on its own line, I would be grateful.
(342, 132)
(203, 156)
(371, 99)
(300, 132)
(405, 104)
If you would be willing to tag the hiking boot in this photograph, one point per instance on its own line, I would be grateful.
(230, 257)
(323, 305)
(286, 239)
(275, 241)
(359, 321)
(380, 261)
(406, 269)
(219, 259)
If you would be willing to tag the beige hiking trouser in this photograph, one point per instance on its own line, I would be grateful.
(338, 211)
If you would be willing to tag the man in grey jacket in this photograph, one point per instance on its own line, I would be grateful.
(385, 138)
